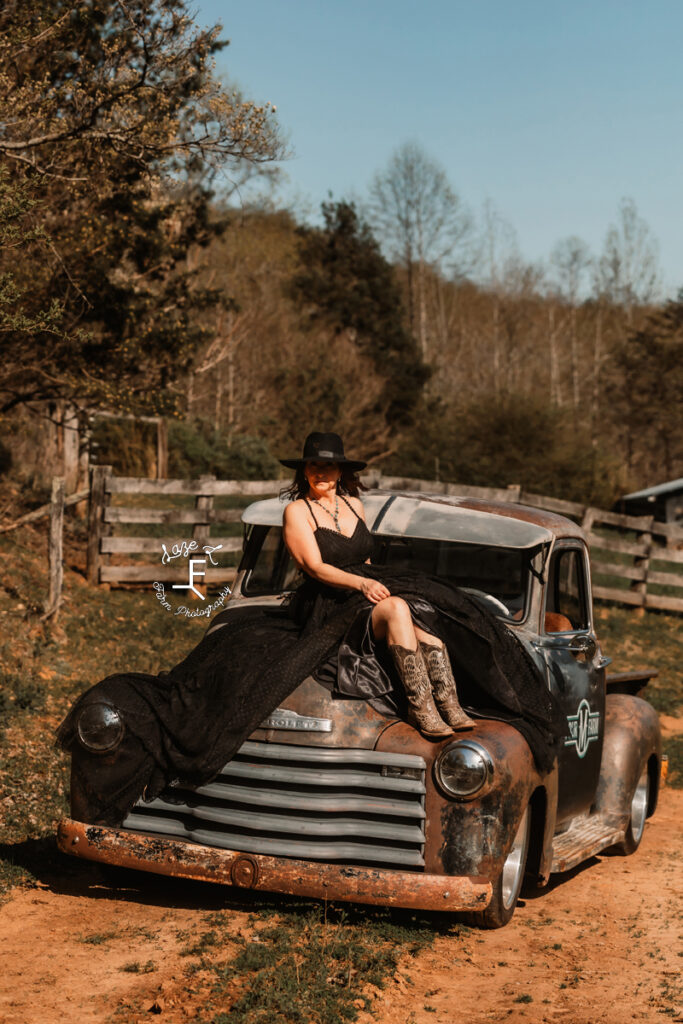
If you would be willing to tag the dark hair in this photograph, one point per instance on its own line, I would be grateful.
(348, 483)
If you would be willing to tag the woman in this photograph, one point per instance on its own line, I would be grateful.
(188, 723)
(326, 551)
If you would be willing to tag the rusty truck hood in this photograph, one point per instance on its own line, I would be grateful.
(310, 716)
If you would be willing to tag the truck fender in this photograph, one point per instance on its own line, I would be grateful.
(633, 740)
(477, 835)
(543, 825)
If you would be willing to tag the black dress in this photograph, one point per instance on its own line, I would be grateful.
(186, 724)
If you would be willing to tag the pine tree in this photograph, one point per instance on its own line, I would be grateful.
(345, 283)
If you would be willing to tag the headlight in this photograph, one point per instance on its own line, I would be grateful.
(100, 727)
(463, 769)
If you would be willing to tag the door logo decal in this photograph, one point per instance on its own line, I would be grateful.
(584, 727)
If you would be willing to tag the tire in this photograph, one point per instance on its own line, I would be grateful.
(508, 885)
(636, 824)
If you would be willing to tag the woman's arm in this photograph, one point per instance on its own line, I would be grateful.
(303, 548)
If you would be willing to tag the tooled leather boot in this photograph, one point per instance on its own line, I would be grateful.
(443, 686)
(422, 712)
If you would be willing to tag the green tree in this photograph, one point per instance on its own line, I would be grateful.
(647, 392)
(346, 284)
(500, 439)
(118, 126)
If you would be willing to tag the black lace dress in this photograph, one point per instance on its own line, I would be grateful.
(187, 723)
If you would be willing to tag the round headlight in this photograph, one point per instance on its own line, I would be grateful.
(100, 727)
(463, 769)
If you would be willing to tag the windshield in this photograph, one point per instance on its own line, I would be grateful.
(498, 577)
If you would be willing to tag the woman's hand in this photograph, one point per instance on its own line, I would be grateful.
(373, 590)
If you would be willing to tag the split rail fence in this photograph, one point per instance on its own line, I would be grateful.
(635, 560)
(106, 515)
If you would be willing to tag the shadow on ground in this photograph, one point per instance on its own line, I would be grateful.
(47, 867)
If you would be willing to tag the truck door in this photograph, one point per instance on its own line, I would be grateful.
(576, 673)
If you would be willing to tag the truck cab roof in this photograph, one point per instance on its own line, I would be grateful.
(438, 517)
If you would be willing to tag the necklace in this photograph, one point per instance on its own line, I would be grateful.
(335, 514)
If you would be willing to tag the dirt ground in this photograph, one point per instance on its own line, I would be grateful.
(602, 945)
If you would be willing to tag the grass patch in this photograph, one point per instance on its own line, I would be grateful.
(650, 641)
(673, 746)
(98, 938)
(42, 670)
(314, 963)
(137, 968)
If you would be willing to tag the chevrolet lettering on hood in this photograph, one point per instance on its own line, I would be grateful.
(281, 718)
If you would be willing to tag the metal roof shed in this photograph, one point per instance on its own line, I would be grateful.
(664, 502)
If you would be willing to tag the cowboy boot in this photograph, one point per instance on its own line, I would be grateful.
(443, 686)
(421, 710)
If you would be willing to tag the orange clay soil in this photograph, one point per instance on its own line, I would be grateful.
(600, 946)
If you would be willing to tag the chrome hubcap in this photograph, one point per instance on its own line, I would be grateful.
(639, 806)
(513, 868)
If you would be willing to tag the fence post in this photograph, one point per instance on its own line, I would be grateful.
(54, 548)
(98, 502)
(201, 531)
(162, 449)
(643, 562)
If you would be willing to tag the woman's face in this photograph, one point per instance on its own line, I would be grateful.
(322, 477)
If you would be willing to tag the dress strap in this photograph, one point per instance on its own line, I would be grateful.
(350, 506)
(310, 509)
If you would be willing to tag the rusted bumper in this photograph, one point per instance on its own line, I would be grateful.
(272, 874)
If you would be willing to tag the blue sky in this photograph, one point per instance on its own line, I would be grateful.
(552, 110)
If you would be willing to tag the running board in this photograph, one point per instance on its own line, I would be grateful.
(583, 839)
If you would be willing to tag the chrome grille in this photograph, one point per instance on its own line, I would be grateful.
(312, 803)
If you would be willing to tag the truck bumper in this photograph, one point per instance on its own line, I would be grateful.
(272, 874)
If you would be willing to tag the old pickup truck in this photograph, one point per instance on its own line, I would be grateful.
(331, 799)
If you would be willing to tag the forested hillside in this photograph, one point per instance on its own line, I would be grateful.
(135, 279)
(549, 377)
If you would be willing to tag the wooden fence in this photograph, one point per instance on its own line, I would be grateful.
(105, 516)
(635, 560)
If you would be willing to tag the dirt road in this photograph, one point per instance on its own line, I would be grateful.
(601, 946)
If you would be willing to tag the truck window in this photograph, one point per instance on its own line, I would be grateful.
(273, 570)
(566, 598)
(498, 577)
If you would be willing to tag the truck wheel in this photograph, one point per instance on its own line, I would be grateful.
(508, 885)
(636, 824)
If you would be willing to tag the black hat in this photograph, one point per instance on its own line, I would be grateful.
(324, 448)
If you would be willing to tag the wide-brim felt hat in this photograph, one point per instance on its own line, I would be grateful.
(324, 448)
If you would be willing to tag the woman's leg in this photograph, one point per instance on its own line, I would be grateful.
(441, 677)
(391, 621)
(424, 637)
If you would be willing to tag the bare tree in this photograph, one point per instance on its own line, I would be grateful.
(422, 222)
(506, 276)
(571, 259)
(627, 272)
(499, 258)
